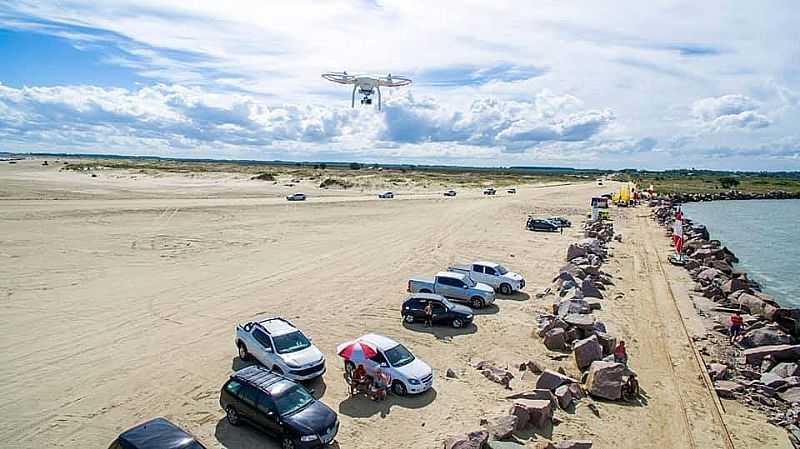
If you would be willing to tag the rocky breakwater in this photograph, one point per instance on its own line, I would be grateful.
(762, 367)
(730, 195)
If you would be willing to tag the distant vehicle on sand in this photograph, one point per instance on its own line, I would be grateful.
(296, 197)
(450, 193)
(512, 191)
(456, 286)
(489, 191)
(444, 311)
(539, 224)
(386, 195)
(560, 221)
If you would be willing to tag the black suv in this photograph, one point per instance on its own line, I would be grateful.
(157, 433)
(279, 406)
(444, 311)
(537, 224)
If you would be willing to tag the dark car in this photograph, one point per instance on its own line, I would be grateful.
(157, 433)
(444, 311)
(560, 221)
(538, 224)
(278, 406)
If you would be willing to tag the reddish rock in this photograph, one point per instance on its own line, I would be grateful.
(605, 380)
(540, 413)
(550, 380)
(587, 351)
(472, 440)
(781, 353)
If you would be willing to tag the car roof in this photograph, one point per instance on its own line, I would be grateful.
(426, 296)
(379, 341)
(277, 326)
(485, 263)
(450, 274)
(263, 379)
(158, 433)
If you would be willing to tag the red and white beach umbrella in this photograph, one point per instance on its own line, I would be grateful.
(356, 351)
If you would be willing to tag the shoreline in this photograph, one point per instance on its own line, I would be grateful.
(758, 370)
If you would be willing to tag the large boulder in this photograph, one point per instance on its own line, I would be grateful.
(540, 412)
(786, 369)
(761, 306)
(717, 371)
(722, 266)
(727, 389)
(575, 305)
(502, 427)
(574, 270)
(568, 395)
(498, 375)
(708, 275)
(555, 339)
(580, 320)
(734, 285)
(472, 440)
(772, 380)
(574, 251)
(607, 341)
(779, 353)
(587, 351)
(791, 395)
(550, 380)
(771, 334)
(588, 289)
(605, 380)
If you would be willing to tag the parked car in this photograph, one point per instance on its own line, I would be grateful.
(279, 406)
(158, 433)
(512, 190)
(444, 311)
(278, 345)
(409, 374)
(560, 221)
(386, 195)
(539, 224)
(489, 191)
(296, 197)
(457, 286)
(492, 274)
(450, 193)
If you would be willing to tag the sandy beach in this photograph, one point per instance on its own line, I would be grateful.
(120, 295)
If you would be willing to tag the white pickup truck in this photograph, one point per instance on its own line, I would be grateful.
(493, 274)
(456, 286)
(281, 347)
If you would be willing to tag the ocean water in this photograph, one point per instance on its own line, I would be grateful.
(764, 235)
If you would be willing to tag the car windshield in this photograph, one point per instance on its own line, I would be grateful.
(290, 342)
(501, 269)
(469, 281)
(447, 303)
(292, 399)
(399, 356)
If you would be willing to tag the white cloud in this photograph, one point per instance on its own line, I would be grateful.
(729, 112)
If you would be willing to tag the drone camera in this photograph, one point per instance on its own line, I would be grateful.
(366, 101)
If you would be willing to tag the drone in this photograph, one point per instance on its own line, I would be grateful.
(366, 85)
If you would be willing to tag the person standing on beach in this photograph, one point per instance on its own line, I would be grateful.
(736, 327)
(428, 315)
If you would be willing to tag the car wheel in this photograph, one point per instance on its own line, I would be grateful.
(287, 443)
(399, 388)
(232, 416)
(477, 302)
(457, 323)
(409, 318)
(505, 289)
(243, 354)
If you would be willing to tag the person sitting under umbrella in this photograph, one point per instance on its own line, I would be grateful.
(359, 380)
(380, 385)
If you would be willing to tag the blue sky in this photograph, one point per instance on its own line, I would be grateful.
(662, 85)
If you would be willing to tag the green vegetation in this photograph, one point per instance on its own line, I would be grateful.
(685, 181)
(264, 177)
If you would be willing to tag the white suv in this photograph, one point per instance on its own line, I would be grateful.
(409, 374)
(281, 347)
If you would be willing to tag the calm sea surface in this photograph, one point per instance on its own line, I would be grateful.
(764, 235)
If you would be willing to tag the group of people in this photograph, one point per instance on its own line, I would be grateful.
(375, 386)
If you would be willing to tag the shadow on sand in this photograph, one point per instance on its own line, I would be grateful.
(441, 332)
(360, 406)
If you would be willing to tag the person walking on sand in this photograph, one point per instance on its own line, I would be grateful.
(561, 228)
(428, 315)
(736, 327)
